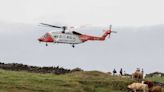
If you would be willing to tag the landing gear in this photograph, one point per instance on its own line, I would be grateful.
(46, 44)
(73, 45)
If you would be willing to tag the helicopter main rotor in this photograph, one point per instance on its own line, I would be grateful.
(62, 27)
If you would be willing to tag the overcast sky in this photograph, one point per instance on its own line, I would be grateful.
(96, 12)
(139, 42)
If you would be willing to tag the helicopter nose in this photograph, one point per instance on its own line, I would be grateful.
(40, 39)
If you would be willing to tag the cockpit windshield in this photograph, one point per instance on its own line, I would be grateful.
(46, 35)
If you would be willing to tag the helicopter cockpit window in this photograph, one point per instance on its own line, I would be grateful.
(46, 35)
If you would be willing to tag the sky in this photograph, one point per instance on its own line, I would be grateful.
(77, 12)
(138, 43)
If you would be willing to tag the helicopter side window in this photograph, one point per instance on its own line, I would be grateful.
(60, 36)
(69, 37)
(55, 36)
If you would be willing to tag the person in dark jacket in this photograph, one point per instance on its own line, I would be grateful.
(121, 72)
(114, 72)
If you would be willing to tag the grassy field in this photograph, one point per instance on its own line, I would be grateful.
(92, 81)
(157, 79)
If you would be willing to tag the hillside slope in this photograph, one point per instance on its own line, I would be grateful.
(84, 81)
(92, 81)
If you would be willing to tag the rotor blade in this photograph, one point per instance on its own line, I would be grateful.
(114, 31)
(51, 25)
(110, 27)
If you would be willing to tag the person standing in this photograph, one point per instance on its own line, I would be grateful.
(114, 72)
(121, 72)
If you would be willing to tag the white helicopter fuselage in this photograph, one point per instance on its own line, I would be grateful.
(67, 38)
(71, 37)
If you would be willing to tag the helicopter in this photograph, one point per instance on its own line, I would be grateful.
(71, 37)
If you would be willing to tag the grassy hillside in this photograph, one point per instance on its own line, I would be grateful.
(92, 81)
(157, 79)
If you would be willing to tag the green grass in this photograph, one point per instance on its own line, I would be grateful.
(157, 79)
(92, 81)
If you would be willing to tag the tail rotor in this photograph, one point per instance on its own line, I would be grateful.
(110, 31)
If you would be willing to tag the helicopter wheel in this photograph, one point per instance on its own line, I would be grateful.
(73, 45)
(46, 44)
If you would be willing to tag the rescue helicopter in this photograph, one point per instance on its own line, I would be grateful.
(71, 37)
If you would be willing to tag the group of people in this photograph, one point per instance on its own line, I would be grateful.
(120, 72)
(138, 73)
